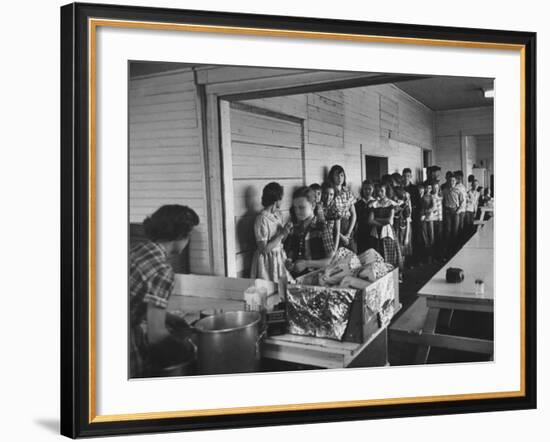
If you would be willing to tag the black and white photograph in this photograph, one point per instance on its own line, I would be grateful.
(274, 221)
(284, 219)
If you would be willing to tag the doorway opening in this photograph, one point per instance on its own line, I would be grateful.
(426, 158)
(375, 167)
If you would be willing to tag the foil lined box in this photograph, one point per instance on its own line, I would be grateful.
(370, 309)
(321, 312)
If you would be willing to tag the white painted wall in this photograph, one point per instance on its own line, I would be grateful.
(166, 164)
(451, 125)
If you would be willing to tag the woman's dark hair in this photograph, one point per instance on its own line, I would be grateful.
(304, 192)
(170, 223)
(272, 193)
(407, 170)
(336, 170)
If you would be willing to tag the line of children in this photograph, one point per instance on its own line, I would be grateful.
(406, 223)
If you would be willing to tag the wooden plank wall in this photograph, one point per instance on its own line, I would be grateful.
(166, 155)
(343, 126)
(384, 121)
(264, 148)
(325, 134)
(451, 125)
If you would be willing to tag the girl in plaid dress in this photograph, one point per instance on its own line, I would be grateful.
(381, 220)
(345, 201)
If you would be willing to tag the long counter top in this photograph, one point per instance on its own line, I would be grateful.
(476, 259)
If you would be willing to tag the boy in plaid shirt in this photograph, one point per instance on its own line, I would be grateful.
(453, 202)
(310, 244)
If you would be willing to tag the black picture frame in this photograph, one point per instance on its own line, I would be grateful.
(75, 220)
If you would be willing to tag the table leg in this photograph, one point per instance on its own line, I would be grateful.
(430, 324)
(374, 354)
(450, 319)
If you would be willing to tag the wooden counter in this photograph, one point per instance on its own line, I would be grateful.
(194, 293)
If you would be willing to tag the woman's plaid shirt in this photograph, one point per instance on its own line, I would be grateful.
(151, 279)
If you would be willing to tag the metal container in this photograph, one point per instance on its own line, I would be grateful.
(228, 342)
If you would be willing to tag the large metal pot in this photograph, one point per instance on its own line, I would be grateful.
(228, 342)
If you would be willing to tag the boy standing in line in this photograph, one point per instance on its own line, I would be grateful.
(416, 232)
(462, 210)
(472, 198)
(453, 200)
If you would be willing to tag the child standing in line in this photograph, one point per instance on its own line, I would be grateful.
(381, 221)
(318, 210)
(331, 213)
(437, 220)
(472, 198)
(486, 200)
(402, 224)
(462, 210)
(363, 209)
(426, 210)
(269, 258)
(453, 200)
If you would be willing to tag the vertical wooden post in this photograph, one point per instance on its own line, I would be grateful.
(214, 174)
(227, 180)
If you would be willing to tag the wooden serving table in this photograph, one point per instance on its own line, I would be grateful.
(194, 293)
(476, 259)
(328, 353)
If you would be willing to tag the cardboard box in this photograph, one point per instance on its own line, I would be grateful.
(372, 307)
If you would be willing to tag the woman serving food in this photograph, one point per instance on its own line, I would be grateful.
(152, 283)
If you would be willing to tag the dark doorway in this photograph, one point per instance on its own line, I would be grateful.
(375, 167)
(426, 158)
